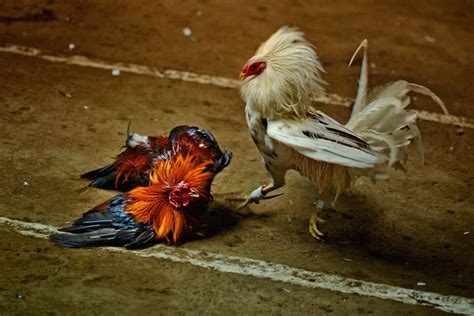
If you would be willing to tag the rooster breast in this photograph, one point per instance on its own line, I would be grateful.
(276, 156)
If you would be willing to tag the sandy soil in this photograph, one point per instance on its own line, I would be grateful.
(408, 230)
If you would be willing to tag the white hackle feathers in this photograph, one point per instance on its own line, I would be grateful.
(292, 74)
(381, 117)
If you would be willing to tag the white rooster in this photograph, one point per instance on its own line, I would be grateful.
(277, 85)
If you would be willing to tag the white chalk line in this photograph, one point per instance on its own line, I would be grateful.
(332, 99)
(275, 272)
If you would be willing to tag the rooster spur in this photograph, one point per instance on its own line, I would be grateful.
(277, 85)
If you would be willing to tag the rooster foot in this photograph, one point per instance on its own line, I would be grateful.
(313, 225)
(257, 195)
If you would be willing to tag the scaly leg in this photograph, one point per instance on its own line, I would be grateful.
(260, 193)
(315, 219)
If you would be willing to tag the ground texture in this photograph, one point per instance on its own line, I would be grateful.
(413, 228)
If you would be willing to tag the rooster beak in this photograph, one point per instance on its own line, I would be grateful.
(242, 76)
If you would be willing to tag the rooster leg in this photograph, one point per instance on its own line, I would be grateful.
(260, 193)
(314, 220)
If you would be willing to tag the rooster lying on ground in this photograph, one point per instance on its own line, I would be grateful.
(290, 134)
(132, 166)
(168, 207)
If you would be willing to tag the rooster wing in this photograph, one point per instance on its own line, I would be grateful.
(321, 138)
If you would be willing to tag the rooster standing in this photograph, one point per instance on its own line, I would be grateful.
(167, 205)
(290, 134)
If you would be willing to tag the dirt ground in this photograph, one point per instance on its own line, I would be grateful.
(407, 230)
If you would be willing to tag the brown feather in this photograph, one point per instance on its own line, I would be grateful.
(330, 179)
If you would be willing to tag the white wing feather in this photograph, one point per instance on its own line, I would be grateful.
(320, 137)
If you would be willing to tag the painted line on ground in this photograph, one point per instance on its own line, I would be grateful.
(275, 272)
(332, 99)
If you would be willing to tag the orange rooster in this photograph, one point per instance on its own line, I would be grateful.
(169, 207)
(132, 166)
(277, 85)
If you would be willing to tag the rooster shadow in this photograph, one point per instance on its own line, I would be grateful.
(218, 219)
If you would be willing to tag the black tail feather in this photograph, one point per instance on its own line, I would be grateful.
(134, 238)
(143, 240)
(79, 229)
(90, 221)
(98, 173)
(101, 237)
(103, 178)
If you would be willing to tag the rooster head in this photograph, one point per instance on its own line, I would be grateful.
(280, 78)
(179, 192)
(182, 194)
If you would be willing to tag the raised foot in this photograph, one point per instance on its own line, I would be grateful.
(313, 226)
(257, 195)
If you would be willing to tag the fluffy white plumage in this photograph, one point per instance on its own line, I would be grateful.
(293, 73)
(291, 134)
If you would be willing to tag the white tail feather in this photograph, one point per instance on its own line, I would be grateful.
(425, 91)
(364, 78)
(381, 117)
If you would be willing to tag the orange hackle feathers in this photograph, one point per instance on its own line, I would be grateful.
(131, 163)
(137, 159)
(153, 204)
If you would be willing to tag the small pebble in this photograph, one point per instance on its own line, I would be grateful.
(116, 72)
(286, 290)
(373, 65)
(85, 107)
(26, 184)
(466, 233)
(290, 201)
(460, 131)
(347, 259)
(451, 148)
(72, 46)
(187, 31)
(199, 13)
(430, 39)
(155, 120)
(65, 94)
(420, 284)
(19, 295)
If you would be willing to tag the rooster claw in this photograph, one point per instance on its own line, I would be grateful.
(255, 197)
(247, 202)
(271, 196)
